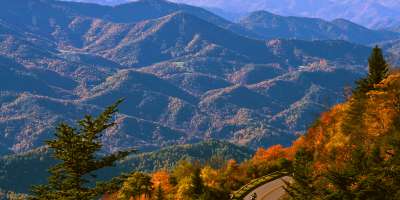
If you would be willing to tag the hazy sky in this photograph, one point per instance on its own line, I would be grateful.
(371, 13)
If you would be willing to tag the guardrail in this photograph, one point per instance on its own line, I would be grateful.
(246, 189)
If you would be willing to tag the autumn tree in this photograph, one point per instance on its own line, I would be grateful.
(183, 169)
(360, 161)
(77, 150)
(136, 186)
(184, 191)
(162, 178)
(231, 175)
(391, 166)
(272, 153)
(210, 176)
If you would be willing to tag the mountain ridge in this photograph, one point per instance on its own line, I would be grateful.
(269, 25)
(375, 14)
(185, 79)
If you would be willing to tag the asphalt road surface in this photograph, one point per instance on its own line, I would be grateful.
(270, 191)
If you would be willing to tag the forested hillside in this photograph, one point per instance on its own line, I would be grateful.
(268, 25)
(187, 75)
(16, 170)
(352, 151)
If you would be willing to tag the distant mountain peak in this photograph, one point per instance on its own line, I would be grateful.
(347, 23)
(181, 15)
(371, 13)
(262, 13)
(153, 2)
(268, 26)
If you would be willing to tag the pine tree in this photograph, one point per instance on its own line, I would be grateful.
(378, 67)
(159, 195)
(353, 123)
(378, 70)
(197, 183)
(302, 186)
(77, 150)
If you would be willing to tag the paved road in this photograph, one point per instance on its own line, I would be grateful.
(270, 191)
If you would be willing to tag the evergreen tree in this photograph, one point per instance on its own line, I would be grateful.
(197, 183)
(77, 150)
(378, 70)
(159, 195)
(363, 177)
(378, 67)
(344, 179)
(302, 186)
(353, 123)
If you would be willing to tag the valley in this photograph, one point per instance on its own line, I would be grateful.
(204, 98)
(183, 79)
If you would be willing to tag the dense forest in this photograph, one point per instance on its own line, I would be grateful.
(16, 170)
(352, 151)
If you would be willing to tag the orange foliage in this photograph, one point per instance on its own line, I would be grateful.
(296, 145)
(327, 139)
(273, 153)
(320, 167)
(110, 196)
(232, 164)
(161, 178)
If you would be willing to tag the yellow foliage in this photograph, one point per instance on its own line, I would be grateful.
(209, 176)
(184, 192)
(380, 107)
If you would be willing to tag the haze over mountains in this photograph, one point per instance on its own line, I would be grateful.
(187, 74)
(268, 25)
(374, 14)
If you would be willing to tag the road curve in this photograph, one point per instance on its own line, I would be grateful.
(270, 191)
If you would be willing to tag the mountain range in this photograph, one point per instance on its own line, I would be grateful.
(268, 26)
(376, 14)
(186, 74)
